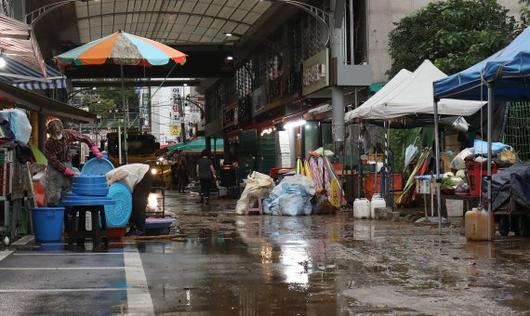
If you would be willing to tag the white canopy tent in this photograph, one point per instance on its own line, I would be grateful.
(410, 95)
(366, 108)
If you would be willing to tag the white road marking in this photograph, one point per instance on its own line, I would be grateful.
(4, 254)
(24, 240)
(66, 253)
(138, 297)
(59, 268)
(61, 290)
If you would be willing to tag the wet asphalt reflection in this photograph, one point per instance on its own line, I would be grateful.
(224, 264)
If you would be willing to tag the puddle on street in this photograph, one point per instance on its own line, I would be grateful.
(326, 265)
(226, 264)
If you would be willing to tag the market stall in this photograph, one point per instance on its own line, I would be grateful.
(500, 77)
(406, 101)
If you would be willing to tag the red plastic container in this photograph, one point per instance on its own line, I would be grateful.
(370, 187)
(475, 172)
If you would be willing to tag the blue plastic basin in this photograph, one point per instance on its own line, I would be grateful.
(118, 214)
(90, 180)
(95, 191)
(97, 167)
(48, 223)
(97, 200)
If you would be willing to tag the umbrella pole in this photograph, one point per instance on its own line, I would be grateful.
(437, 163)
(126, 110)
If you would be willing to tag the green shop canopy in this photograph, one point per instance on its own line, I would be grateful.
(374, 87)
(197, 145)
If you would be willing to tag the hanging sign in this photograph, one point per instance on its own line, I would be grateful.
(315, 73)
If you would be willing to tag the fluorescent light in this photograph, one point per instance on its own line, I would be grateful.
(228, 34)
(294, 124)
(3, 62)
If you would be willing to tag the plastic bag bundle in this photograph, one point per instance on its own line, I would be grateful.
(291, 197)
(410, 153)
(258, 184)
(459, 162)
(18, 123)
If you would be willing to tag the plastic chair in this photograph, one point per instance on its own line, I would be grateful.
(250, 208)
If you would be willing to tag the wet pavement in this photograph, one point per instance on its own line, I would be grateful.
(223, 264)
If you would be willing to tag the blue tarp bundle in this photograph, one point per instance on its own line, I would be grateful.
(505, 69)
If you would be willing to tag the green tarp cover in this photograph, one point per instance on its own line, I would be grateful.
(197, 145)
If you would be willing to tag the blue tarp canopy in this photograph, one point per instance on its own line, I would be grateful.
(508, 70)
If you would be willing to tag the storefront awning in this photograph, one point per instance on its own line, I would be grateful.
(20, 75)
(39, 103)
(17, 39)
(197, 145)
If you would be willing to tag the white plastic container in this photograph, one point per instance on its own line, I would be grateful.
(361, 208)
(376, 203)
(455, 208)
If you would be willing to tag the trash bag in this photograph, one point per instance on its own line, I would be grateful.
(257, 184)
(410, 153)
(481, 147)
(306, 182)
(291, 197)
(18, 123)
(459, 162)
(508, 155)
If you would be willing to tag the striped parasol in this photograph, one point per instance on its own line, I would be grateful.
(122, 48)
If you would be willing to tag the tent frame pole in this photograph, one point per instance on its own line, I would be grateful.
(437, 163)
(491, 101)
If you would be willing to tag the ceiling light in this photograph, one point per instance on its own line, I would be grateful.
(228, 34)
(3, 62)
(230, 58)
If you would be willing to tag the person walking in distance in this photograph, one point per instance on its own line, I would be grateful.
(206, 175)
(182, 173)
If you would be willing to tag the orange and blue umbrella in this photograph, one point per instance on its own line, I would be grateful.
(122, 48)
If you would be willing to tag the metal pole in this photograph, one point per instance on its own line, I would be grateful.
(490, 115)
(119, 141)
(437, 163)
(359, 163)
(337, 51)
(386, 168)
(150, 109)
(126, 110)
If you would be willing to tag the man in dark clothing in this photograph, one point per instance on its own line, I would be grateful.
(182, 173)
(206, 174)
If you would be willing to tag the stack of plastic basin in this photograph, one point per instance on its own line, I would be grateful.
(90, 185)
(88, 190)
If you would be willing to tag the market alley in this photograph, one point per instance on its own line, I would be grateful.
(249, 265)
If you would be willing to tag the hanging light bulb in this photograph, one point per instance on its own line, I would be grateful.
(3, 62)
